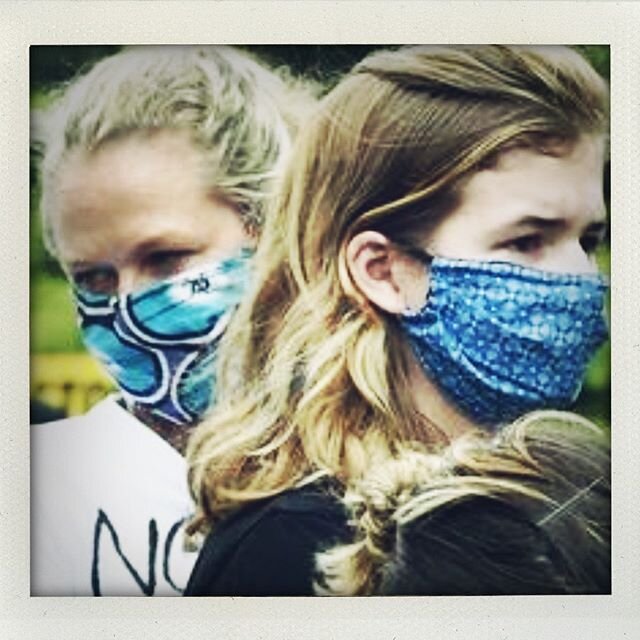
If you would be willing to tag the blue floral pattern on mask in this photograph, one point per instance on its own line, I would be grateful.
(501, 339)
(159, 344)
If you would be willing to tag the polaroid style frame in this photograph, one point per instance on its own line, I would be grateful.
(346, 22)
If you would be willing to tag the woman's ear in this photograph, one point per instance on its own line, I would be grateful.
(386, 276)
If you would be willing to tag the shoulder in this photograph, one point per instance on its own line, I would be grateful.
(309, 512)
(102, 415)
(495, 546)
(111, 462)
(268, 548)
(98, 436)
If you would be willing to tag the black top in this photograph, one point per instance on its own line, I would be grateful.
(478, 546)
(268, 547)
(484, 546)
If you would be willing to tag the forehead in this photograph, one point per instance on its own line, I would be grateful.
(128, 190)
(132, 161)
(526, 182)
(134, 180)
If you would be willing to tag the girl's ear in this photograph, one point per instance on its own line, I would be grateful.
(387, 277)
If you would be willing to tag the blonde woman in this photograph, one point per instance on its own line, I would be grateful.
(428, 273)
(528, 512)
(156, 167)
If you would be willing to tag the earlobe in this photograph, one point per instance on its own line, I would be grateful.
(379, 271)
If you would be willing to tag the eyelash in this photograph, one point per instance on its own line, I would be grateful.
(590, 243)
(524, 244)
(533, 242)
(174, 257)
(97, 280)
(105, 280)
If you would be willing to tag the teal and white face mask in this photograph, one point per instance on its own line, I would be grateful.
(501, 339)
(159, 344)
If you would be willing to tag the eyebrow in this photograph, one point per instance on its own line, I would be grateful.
(598, 226)
(172, 242)
(87, 265)
(161, 242)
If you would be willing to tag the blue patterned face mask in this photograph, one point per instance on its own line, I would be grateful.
(159, 343)
(500, 339)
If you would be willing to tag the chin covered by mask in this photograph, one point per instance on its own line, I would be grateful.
(501, 339)
(159, 344)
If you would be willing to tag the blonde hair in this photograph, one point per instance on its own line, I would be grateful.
(552, 468)
(312, 378)
(240, 115)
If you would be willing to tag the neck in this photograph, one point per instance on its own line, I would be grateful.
(432, 404)
(176, 435)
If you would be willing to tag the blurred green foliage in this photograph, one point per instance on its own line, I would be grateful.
(599, 57)
(53, 326)
(53, 321)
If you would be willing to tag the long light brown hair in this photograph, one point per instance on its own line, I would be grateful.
(314, 379)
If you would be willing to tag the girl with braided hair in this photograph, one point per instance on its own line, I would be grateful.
(427, 272)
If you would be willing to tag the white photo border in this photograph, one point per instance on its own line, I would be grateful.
(332, 22)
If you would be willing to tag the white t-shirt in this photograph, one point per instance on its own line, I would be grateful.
(108, 503)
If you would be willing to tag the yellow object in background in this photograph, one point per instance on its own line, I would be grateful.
(73, 382)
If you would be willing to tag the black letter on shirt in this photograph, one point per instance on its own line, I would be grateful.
(167, 552)
(147, 588)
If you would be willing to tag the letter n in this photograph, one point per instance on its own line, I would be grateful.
(148, 587)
